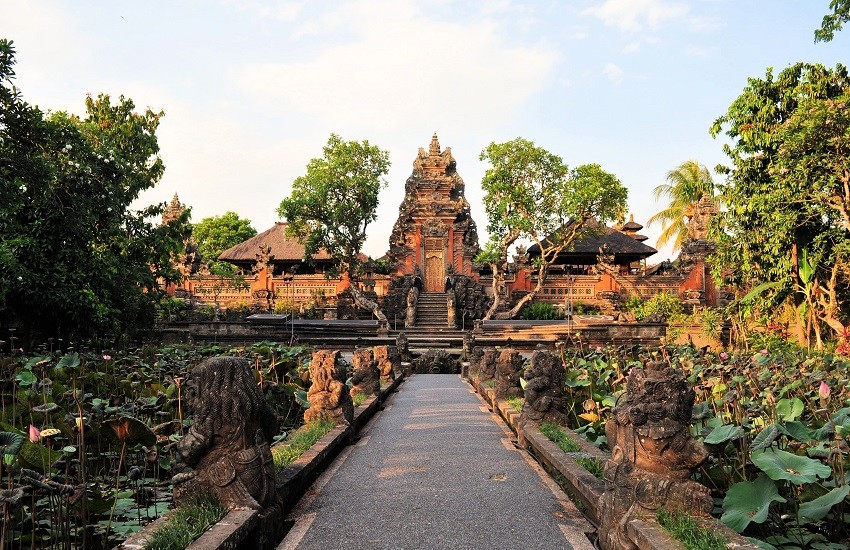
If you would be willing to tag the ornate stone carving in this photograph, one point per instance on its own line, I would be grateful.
(366, 378)
(487, 365)
(401, 345)
(475, 356)
(328, 395)
(228, 442)
(652, 454)
(508, 370)
(435, 361)
(388, 363)
(544, 389)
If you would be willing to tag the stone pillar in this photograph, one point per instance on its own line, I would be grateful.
(508, 369)
(327, 394)
(652, 455)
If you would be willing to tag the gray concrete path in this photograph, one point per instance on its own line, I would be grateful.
(435, 470)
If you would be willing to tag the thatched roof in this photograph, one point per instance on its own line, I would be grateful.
(589, 243)
(283, 247)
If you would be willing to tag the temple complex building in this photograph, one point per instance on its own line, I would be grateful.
(434, 235)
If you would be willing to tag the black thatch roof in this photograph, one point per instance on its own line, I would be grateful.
(283, 247)
(587, 245)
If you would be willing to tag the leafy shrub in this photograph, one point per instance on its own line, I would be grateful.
(663, 304)
(540, 311)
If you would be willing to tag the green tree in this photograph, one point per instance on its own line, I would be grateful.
(75, 260)
(216, 234)
(685, 185)
(531, 194)
(331, 206)
(786, 229)
(832, 22)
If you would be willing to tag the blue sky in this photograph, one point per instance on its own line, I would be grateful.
(252, 89)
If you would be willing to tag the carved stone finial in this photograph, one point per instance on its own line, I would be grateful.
(228, 442)
(652, 455)
(434, 148)
(327, 394)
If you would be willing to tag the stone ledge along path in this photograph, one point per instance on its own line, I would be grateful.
(435, 469)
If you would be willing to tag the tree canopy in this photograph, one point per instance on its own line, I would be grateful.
(833, 22)
(215, 234)
(331, 206)
(75, 261)
(787, 193)
(532, 194)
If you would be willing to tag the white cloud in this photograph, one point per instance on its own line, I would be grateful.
(614, 73)
(402, 68)
(282, 11)
(633, 47)
(636, 15)
(701, 51)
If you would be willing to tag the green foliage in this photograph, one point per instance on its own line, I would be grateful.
(691, 533)
(216, 234)
(593, 465)
(664, 304)
(515, 402)
(749, 501)
(333, 203)
(833, 22)
(686, 184)
(540, 311)
(186, 523)
(784, 195)
(359, 398)
(299, 441)
(75, 261)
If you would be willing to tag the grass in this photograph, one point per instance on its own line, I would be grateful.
(490, 383)
(592, 465)
(560, 437)
(688, 531)
(299, 441)
(359, 398)
(515, 402)
(186, 523)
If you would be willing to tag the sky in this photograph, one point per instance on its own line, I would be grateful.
(252, 89)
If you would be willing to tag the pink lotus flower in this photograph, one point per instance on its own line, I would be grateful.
(724, 355)
(107, 357)
(763, 352)
(823, 390)
(35, 434)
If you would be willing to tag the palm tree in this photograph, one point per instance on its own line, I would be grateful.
(685, 185)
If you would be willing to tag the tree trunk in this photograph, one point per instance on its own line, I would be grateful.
(498, 280)
(361, 300)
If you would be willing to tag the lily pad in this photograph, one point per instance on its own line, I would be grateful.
(796, 430)
(749, 501)
(819, 507)
(789, 409)
(70, 360)
(779, 464)
(765, 438)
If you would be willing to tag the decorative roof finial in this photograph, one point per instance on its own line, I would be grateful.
(434, 149)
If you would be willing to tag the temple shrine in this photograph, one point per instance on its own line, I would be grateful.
(435, 234)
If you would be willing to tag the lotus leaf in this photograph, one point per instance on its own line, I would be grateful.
(765, 438)
(70, 360)
(10, 446)
(749, 501)
(789, 409)
(26, 378)
(722, 434)
(796, 430)
(779, 464)
(819, 507)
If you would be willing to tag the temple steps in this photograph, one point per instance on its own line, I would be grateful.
(431, 310)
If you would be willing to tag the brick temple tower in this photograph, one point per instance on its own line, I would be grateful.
(434, 232)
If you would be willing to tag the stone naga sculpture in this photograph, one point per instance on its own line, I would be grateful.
(545, 379)
(388, 362)
(366, 378)
(487, 365)
(228, 442)
(508, 370)
(328, 395)
(652, 454)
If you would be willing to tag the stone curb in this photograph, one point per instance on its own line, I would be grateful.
(292, 482)
(588, 488)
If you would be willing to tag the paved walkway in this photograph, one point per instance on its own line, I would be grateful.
(435, 470)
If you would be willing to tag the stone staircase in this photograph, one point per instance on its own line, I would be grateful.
(431, 312)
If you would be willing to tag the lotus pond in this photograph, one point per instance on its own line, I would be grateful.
(775, 421)
(87, 437)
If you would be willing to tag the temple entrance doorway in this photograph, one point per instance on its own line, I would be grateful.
(435, 266)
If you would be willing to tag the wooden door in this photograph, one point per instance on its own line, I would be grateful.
(435, 272)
